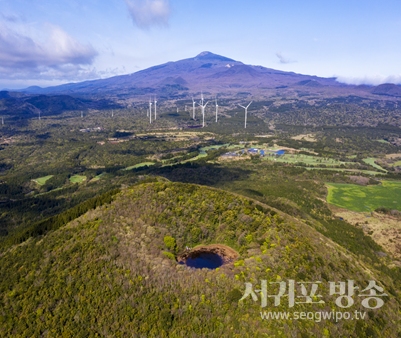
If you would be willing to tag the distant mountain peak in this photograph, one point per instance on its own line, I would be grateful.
(211, 56)
(203, 54)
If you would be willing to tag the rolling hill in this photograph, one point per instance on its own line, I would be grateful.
(112, 272)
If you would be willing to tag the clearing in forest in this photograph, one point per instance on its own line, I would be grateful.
(365, 198)
(42, 180)
(77, 179)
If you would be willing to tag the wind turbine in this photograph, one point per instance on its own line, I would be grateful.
(217, 108)
(203, 106)
(193, 108)
(82, 114)
(246, 110)
(39, 114)
(112, 113)
(155, 107)
(150, 110)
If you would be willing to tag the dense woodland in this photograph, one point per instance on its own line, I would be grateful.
(86, 205)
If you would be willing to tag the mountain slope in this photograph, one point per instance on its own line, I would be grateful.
(16, 106)
(215, 74)
(108, 272)
(208, 72)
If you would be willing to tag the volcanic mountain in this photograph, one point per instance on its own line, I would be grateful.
(214, 74)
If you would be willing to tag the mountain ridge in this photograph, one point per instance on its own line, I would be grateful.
(215, 74)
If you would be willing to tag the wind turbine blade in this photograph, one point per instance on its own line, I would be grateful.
(242, 106)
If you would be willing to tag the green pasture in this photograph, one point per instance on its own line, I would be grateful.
(205, 149)
(365, 198)
(397, 164)
(139, 165)
(236, 146)
(367, 172)
(97, 177)
(42, 180)
(77, 179)
(371, 161)
(203, 152)
(307, 159)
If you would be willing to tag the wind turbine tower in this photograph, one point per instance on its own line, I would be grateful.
(246, 110)
(217, 108)
(193, 108)
(155, 107)
(203, 106)
(112, 113)
(82, 114)
(150, 111)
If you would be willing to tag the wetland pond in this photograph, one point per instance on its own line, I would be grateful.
(202, 260)
(209, 256)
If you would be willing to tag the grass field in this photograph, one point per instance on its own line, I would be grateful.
(365, 198)
(397, 164)
(367, 172)
(205, 149)
(42, 180)
(98, 177)
(371, 161)
(142, 164)
(77, 179)
(307, 159)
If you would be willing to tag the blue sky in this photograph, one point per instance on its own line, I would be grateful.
(47, 42)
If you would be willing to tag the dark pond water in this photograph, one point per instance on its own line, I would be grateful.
(204, 260)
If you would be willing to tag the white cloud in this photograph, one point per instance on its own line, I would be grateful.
(35, 54)
(147, 13)
(370, 80)
(283, 59)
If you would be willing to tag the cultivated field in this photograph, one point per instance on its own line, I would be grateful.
(365, 198)
(139, 165)
(42, 180)
(371, 161)
(307, 159)
(77, 179)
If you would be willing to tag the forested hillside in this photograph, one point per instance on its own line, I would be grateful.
(112, 272)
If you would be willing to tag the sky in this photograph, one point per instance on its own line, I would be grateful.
(47, 42)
